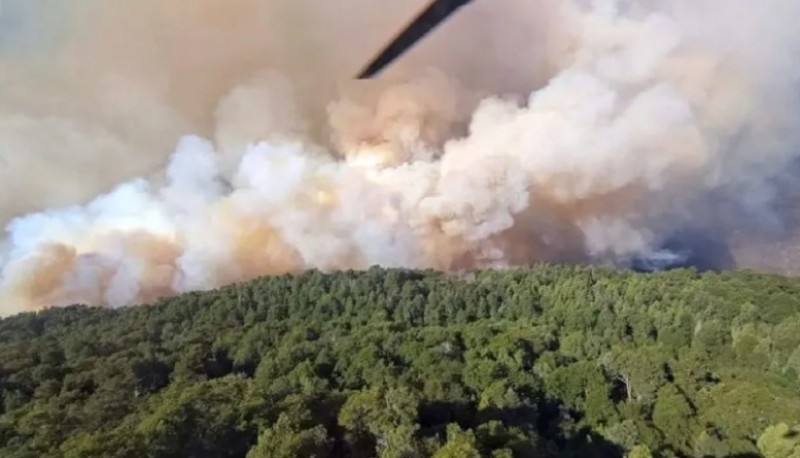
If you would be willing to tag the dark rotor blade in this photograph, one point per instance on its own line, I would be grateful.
(426, 21)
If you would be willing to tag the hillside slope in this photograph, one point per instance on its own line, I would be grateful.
(548, 361)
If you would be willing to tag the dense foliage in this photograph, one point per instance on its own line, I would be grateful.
(549, 361)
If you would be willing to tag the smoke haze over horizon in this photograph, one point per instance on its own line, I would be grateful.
(149, 148)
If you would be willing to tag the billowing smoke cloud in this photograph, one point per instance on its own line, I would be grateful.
(521, 131)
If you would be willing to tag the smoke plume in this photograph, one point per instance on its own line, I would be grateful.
(149, 148)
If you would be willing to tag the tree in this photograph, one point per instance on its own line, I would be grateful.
(639, 451)
(460, 444)
(674, 417)
(286, 439)
(780, 441)
(387, 414)
(405, 364)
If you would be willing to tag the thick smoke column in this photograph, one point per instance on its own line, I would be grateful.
(586, 131)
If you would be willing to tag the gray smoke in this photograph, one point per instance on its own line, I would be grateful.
(151, 147)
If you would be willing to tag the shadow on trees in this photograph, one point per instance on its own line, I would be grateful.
(548, 424)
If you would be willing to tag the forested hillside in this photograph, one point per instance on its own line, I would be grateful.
(548, 361)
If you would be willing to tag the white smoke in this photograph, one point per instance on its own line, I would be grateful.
(648, 110)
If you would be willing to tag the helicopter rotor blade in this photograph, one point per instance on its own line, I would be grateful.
(425, 22)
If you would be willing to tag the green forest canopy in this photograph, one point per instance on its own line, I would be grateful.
(546, 361)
